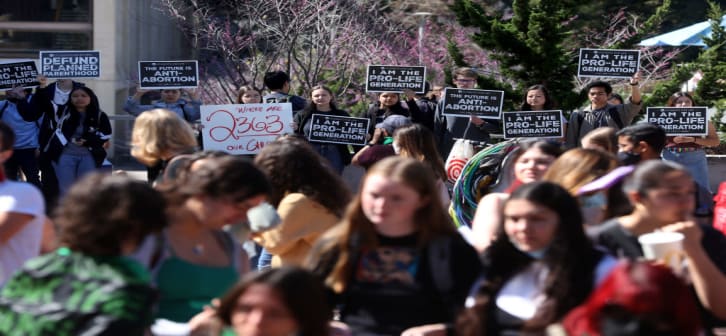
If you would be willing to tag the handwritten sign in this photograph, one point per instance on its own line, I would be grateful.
(608, 63)
(337, 129)
(23, 74)
(244, 128)
(70, 64)
(390, 78)
(465, 102)
(168, 74)
(680, 120)
(533, 124)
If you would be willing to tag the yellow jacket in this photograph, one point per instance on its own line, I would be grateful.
(303, 221)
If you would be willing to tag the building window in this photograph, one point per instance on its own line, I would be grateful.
(27, 27)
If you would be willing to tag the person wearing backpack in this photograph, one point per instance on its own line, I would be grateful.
(16, 111)
(395, 264)
(76, 145)
(278, 82)
(600, 113)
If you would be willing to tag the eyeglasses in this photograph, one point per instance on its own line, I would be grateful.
(465, 80)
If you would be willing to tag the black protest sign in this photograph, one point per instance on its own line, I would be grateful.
(168, 74)
(465, 102)
(389, 78)
(23, 74)
(608, 63)
(337, 129)
(533, 124)
(70, 64)
(679, 120)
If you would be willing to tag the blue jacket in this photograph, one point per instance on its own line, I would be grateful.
(16, 114)
(189, 111)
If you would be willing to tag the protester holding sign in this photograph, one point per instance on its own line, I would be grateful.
(76, 146)
(278, 82)
(248, 95)
(600, 113)
(448, 128)
(537, 98)
(16, 111)
(49, 102)
(321, 102)
(170, 100)
(533, 124)
(389, 103)
(688, 150)
(22, 74)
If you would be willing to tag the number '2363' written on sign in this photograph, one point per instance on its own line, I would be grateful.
(244, 128)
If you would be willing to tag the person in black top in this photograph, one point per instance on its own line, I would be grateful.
(663, 197)
(395, 264)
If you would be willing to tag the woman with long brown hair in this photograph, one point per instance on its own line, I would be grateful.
(417, 142)
(396, 262)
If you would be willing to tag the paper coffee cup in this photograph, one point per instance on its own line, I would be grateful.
(666, 247)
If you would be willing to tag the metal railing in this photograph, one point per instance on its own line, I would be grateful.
(120, 152)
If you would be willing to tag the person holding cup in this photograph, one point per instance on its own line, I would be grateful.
(663, 197)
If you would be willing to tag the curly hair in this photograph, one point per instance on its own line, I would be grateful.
(102, 212)
(158, 133)
(292, 165)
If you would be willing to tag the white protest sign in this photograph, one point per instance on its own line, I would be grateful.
(244, 128)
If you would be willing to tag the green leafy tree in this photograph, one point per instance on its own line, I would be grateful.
(711, 61)
(530, 48)
(539, 44)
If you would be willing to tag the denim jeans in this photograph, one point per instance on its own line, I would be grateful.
(264, 261)
(70, 168)
(694, 161)
(330, 152)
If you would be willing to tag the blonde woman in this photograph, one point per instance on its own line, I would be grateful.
(158, 136)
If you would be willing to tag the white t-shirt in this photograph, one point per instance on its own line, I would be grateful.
(523, 294)
(21, 198)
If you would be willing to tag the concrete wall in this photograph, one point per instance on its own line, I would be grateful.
(126, 32)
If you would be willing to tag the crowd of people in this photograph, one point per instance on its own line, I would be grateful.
(279, 244)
